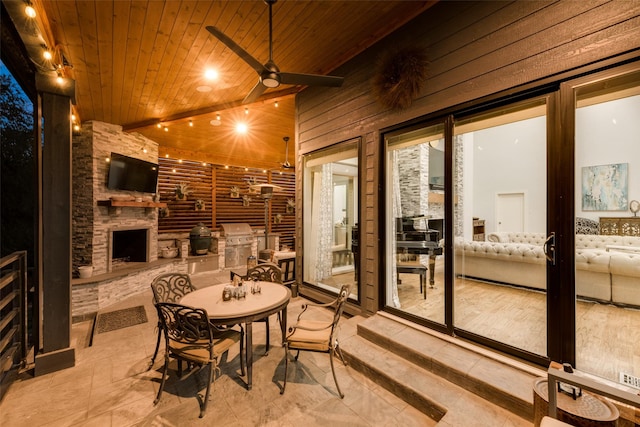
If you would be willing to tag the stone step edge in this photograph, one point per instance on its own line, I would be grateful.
(406, 392)
(490, 392)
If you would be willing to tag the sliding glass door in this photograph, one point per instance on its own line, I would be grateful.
(331, 217)
(414, 225)
(607, 245)
(500, 226)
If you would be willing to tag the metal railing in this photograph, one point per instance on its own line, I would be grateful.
(13, 317)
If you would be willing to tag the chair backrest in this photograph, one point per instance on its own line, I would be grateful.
(265, 272)
(170, 287)
(339, 308)
(185, 326)
(340, 302)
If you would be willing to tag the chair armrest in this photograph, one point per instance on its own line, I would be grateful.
(306, 328)
(305, 306)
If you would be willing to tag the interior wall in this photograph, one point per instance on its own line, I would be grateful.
(511, 159)
(608, 134)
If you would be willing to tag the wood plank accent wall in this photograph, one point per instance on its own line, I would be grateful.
(212, 184)
(475, 49)
(232, 209)
(183, 215)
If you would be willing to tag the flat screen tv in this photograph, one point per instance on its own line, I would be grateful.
(127, 173)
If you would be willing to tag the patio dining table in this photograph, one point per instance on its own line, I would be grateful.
(272, 298)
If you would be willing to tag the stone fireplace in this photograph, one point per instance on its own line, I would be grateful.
(94, 221)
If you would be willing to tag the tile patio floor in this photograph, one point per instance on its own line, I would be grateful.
(110, 386)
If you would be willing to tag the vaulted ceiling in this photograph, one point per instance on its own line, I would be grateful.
(141, 63)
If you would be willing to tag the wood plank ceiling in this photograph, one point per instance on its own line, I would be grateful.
(140, 63)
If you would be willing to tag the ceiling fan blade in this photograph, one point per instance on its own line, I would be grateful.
(257, 90)
(310, 79)
(243, 54)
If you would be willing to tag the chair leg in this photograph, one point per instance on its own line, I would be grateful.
(338, 351)
(286, 365)
(164, 377)
(212, 378)
(333, 371)
(155, 353)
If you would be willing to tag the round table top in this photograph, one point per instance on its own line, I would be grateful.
(272, 297)
(588, 406)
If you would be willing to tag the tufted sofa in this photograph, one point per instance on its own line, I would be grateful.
(607, 267)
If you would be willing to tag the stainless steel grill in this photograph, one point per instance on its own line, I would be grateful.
(238, 238)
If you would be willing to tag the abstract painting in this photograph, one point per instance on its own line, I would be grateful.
(605, 187)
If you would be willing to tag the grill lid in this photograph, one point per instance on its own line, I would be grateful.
(236, 229)
(200, 230)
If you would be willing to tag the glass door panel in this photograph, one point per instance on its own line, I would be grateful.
(499, 226)
(330, 219)
(607, 174)
(414, 211)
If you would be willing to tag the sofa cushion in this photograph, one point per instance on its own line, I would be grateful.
(519, 237)
(625, 278)
(596, 260)
(506, 251)
(590, 241)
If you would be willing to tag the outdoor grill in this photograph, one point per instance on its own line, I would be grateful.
(238, 238)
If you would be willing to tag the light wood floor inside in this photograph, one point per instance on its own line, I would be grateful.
(608, 337)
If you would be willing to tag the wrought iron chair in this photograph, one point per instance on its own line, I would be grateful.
(317, 335)
(190, 337)
(171, 287)
(265, 272)
(168, 287)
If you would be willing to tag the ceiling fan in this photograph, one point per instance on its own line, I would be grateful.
(270, 74)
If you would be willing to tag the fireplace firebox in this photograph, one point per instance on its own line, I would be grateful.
(129, 246)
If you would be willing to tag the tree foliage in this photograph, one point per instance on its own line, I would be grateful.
(17, 169)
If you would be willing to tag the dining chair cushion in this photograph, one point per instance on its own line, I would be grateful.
(316, 340)
(198, 352)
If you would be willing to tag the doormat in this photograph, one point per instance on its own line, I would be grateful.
(119, 319)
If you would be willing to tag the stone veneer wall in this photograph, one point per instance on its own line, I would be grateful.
(88, 298)
(92, 224)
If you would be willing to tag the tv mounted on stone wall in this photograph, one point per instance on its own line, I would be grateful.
(127, 173)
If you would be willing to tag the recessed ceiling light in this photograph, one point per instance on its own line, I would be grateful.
(241, 128)
(210, 74)
(203, 88)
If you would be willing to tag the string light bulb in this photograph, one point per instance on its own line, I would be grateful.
(47, 55)
(246, 110)
(59, 79)
(159, 125)
(191, 123)
(276, 104)
(30, 11)
(166, 129)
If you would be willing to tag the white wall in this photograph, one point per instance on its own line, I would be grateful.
(608, 133)
(511, 159)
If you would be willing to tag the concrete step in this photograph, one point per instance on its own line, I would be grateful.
(431, 371)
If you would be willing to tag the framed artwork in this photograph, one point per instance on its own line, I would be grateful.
(605, 187)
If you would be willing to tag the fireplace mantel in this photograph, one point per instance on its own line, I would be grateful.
(116, 205)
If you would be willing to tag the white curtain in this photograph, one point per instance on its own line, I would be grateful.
(322, 224)
(397, 213)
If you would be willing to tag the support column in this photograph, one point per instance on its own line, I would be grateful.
(55, 352)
